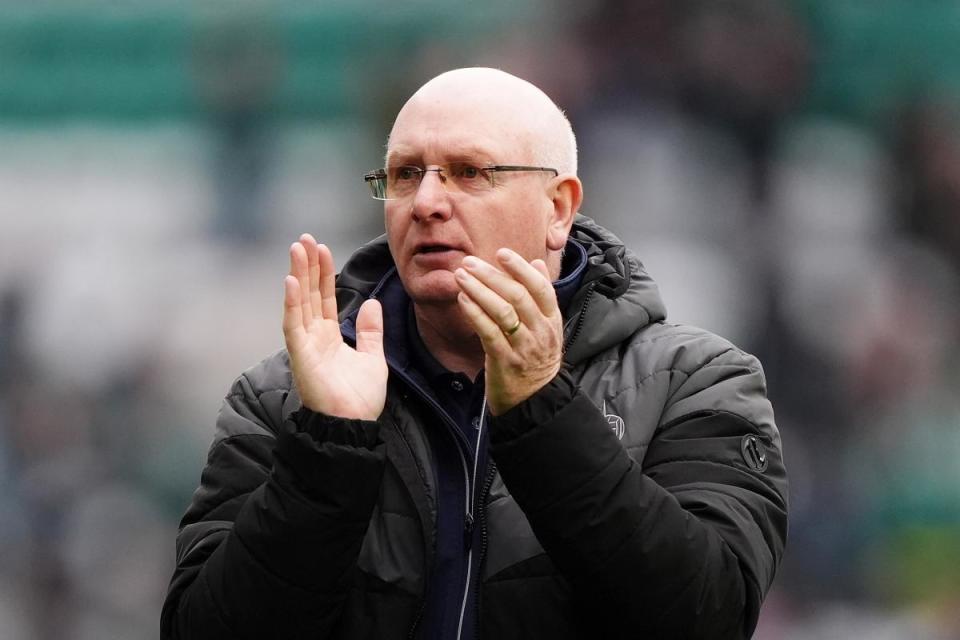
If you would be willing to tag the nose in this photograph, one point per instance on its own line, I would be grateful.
(431, 200)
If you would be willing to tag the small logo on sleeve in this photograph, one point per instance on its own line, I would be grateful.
(615, 422)
(753, 453)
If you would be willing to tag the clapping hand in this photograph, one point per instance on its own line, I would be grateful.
(515, 313)
(332, 377)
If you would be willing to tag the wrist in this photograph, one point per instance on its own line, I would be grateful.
(504, 401)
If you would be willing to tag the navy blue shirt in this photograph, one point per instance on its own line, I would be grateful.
(454, 450)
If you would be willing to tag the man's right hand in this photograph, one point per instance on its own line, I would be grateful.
(332, 377)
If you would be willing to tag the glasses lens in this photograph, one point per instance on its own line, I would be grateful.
(402, 180)
(377, 182)
(468, 177)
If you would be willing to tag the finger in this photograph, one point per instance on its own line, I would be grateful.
(293, 329)
(328, 282)
(534, 276)
(491, 336)
(541, 266)
(370, 328)
(300, 271)
(519, 300)
(313, 273)
(500, 311)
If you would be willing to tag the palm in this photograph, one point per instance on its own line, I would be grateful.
(331, 376)
(336, 379)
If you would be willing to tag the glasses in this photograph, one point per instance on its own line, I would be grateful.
(395, 183)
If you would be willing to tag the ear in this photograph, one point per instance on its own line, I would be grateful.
(566, 193)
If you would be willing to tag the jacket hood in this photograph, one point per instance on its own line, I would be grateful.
(616, 296)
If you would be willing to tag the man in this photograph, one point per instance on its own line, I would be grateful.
(450, 447)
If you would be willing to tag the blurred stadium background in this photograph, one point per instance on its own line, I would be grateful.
(789, 171)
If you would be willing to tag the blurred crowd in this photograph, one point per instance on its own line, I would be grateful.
(141, 268)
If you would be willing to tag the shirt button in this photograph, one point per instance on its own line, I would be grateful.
(475, 422)
(457, 385)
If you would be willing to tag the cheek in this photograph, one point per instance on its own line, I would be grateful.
(395, 230)
(526, 228)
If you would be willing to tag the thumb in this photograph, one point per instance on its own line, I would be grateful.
(370, 328)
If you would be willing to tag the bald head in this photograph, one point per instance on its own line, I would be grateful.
(496, 103)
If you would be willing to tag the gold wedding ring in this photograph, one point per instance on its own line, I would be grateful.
(512, 330)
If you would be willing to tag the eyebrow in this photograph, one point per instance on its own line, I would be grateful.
(465, 152)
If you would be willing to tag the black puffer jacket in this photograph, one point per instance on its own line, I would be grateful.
(641, 494)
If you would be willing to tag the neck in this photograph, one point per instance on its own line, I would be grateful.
(449, 337)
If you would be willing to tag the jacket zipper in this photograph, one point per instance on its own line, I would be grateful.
(470, 519)
(583, 314)
(482, 512)
(423, 602)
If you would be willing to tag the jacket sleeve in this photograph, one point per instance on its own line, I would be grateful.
(684, 547)
(273, 532)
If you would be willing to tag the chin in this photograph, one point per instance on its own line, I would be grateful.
(436, 287)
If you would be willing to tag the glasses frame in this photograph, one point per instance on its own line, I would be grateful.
(381, 174)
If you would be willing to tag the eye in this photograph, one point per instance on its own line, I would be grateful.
(404, 173)
(466, 172)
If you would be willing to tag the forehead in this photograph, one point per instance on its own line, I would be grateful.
(439, 130)
(436, 150)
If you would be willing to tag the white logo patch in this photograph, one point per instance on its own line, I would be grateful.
(615, 422)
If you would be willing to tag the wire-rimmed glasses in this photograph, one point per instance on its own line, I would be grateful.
(395, 183)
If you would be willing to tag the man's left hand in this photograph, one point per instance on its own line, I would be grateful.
(515, 313)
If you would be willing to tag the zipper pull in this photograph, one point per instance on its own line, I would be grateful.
(468, 530)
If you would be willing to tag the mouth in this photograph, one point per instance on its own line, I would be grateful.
(433, 248)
